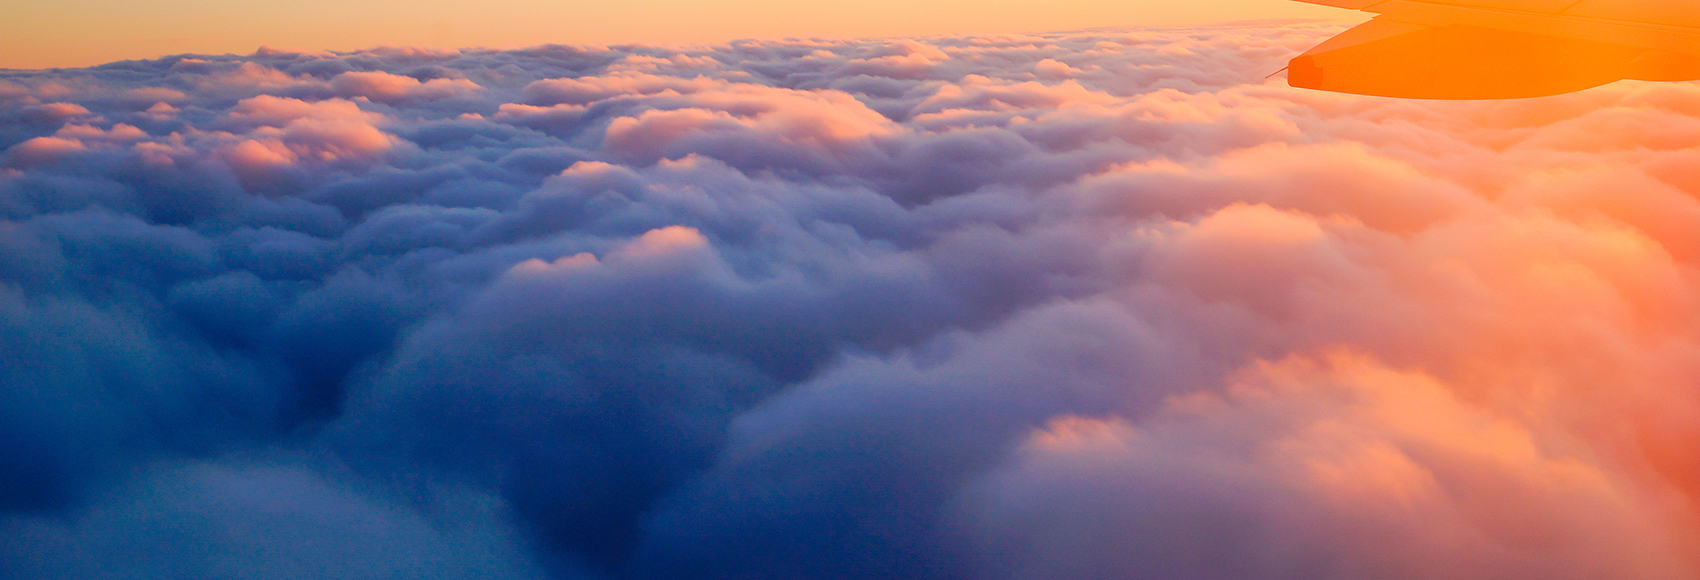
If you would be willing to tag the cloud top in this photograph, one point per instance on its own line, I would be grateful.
(1074, 305)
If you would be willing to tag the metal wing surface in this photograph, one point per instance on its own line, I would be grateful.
(1502, 49)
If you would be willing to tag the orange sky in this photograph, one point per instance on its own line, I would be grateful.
(37, 34)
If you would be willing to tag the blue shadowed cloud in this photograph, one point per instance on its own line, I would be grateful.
(1103, 304)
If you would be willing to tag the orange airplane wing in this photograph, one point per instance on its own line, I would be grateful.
(1502, 49)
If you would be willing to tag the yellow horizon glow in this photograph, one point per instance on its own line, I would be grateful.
(72, 33)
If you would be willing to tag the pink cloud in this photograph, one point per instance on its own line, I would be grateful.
(384, 87)
(120, 132)
(580, 91)
(1339, 463)
(42, 150)
(267, 110)
(56, 112)
(251, 76)
(280, 133)
(830, 122)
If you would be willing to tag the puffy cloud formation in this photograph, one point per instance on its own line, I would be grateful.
(1070, 306)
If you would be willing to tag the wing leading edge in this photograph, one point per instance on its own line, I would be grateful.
(1502, 49)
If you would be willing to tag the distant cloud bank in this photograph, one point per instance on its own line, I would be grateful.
(1073, 306)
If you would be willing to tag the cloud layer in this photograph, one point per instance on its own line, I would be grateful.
(1103, 304)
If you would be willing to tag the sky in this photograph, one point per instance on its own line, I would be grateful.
(72, 33)
(1113, 303)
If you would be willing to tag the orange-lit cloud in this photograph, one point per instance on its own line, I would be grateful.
(1073, 305)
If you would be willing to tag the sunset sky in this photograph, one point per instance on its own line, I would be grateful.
(88, 32)
(954, 292)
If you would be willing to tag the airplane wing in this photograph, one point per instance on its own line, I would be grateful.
(1502, 49)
